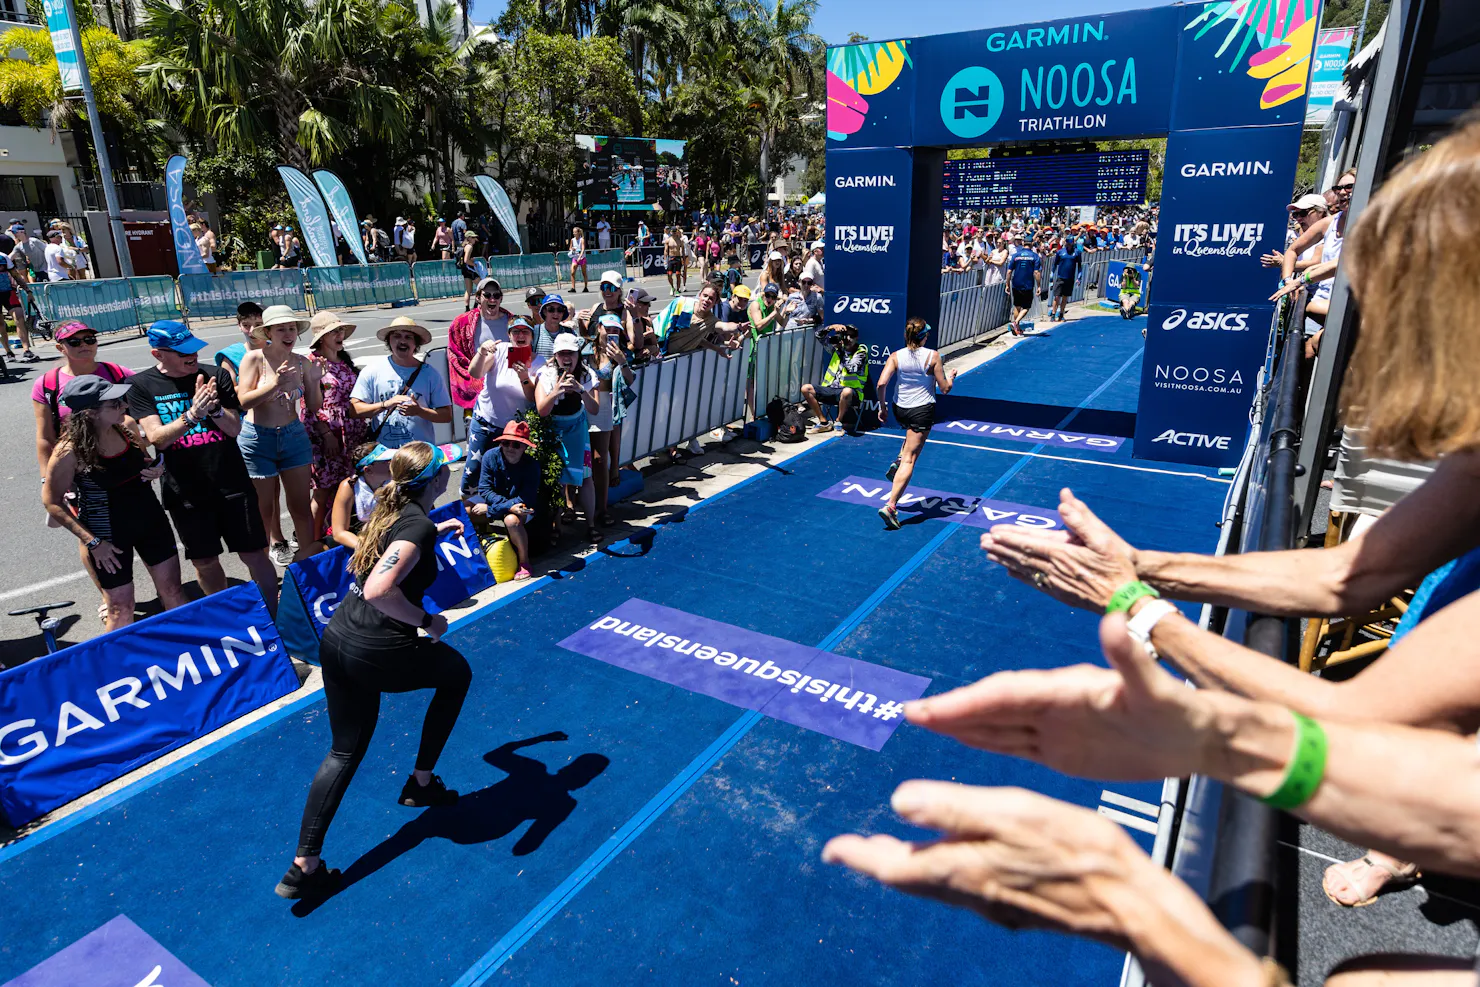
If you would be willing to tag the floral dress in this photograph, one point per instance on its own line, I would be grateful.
(337, 380)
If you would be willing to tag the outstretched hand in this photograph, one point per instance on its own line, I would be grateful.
(1132, 721)
(1082, 565)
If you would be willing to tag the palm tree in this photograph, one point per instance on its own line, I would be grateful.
(786, 49)
(298, 76)
(32, 85)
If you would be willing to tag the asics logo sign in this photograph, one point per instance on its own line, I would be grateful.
(1196, 440)
(1228, 321)
(861, 304)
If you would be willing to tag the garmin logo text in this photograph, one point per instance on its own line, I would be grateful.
(1216, 239)
(1041, 37)
(862, 239)
(76, 717)
(1226, 169)
(1228, 321)
(1196, 440)
(1209, 380)
(864, 181)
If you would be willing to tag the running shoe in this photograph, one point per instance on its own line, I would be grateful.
(29, 357)
(321, 882)
(891, 518)
(281, 554)
(820, 428)
(432, 793)
(893, 468)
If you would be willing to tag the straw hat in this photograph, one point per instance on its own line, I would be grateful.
(282, 315)
(405, 322)
(326, 322)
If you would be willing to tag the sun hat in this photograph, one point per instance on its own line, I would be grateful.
(90, 390)
(549, 300)
(69, 329)
(612, 278)
(1310, 200)
(325, 322)
(566, 343)
(516, 431)
(380, 454)
(281, 315)
(167, 334)
(405, 322)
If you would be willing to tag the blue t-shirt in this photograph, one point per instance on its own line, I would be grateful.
(1066, 264)
(384, 379)
(1023, 266)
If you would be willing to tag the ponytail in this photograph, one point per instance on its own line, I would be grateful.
(915, 331)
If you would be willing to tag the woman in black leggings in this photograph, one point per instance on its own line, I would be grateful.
(371, 646)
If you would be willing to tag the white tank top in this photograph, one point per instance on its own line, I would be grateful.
(916, 384)
(1330, 250)
(206, 256)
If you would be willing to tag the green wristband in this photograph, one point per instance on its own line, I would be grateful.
(1121, 599)
(1306, 768)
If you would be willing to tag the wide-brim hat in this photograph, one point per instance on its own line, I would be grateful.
(516, 431)
(326, 322)
(405, 322)
(282, 315)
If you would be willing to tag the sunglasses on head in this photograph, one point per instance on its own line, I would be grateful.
(81, 341)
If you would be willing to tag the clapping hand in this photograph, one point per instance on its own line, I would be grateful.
(205, 397)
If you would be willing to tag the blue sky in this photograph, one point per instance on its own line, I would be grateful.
(885, 19)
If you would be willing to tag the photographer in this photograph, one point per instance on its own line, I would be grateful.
(845, 379)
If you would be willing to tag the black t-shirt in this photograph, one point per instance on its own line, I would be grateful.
(204, 463)
(359, 617)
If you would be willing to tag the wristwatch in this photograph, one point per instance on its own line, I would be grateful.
(1141, 625)
(94, 543)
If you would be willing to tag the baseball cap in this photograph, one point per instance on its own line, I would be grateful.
(566, 343)
(90, 390)
(817, 245)
(516, 431)
(771, 288)
(16, 225)
(610, 320)
(69, 329)
(1309, 200)
(740, 291)
(549, 300)
(167, 334)
(775, 255)
(489, 283)
(380, 454)
(534, 294)
(641, 294)
(612, 277)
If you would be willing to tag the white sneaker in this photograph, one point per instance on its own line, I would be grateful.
(281, 554)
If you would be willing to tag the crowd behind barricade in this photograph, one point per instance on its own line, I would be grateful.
(59, 253)
(1385, 758)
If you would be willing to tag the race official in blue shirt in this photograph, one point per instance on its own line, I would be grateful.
(1024, 274)
(1066, 266)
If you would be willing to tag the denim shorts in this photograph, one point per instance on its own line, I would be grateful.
(269, 450)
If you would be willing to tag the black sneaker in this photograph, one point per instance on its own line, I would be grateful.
(321, 882)
(893, 468)
(432, 793)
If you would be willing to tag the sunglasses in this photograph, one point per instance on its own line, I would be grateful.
(113, 404)
(493, 294)
(607, 288)
(1345, 188)
(81, 341)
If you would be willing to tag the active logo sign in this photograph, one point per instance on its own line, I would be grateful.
(921, 504)
(1226, 321)
(844, 698)
(1196, 440)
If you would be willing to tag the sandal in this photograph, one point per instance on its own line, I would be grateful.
(607, 520)
(593, 535)
(1362, 869)
(567, 515)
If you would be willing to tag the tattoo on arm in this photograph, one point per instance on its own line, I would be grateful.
(388, 562)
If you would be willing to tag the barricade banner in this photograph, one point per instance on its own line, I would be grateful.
(372, 284)
(596, 262)
(652, 261)
(154, 299)
(106, 305)
(78, 719)
(523, 270)
(437, 279)
(216, 296)
(323, 581)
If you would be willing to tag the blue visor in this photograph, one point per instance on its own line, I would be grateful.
(379, 454)
(438, 460)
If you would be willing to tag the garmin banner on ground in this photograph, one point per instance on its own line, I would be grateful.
(312, 216)
(187, 254)
(343, 210)
(116, 954)
(922, 504)
(841, 697)
(1226, 83)
(323, 581)
(79, 718)
(498, 201)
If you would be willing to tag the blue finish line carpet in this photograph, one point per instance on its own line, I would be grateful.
(615, 829)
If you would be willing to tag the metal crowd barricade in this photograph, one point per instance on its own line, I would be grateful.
(970, 305)
(360, 284)
(216, 296)
(155, 298)
(784, 361)
(523, 270)
(437, 279)
(681, 397)
(106, 305)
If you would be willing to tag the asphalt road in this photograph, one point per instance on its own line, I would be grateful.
(44, 564)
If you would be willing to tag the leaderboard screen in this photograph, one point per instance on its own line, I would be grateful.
(1100, 178)
(630, 174)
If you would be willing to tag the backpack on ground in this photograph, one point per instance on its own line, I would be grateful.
(776, 413)
(793, 426)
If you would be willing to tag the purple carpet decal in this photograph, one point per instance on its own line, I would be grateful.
(117, 954)
(937, 505)
(1038, 436)
(841, 697)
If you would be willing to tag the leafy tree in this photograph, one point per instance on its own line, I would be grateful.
(32, 86)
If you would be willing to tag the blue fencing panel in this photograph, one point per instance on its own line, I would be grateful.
(524, 270)
(596, 262)
(154, 299)
(106, 305)
(216, 296)
(360, 284)
(75, 720)
(438, 279)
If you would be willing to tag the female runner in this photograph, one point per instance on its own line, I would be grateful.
(371, 646)
(920, 370)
